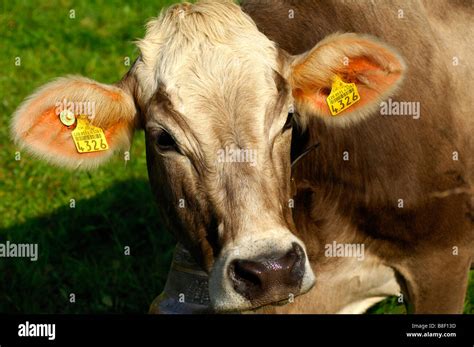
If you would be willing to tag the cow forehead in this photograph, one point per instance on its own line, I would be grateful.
(210, 51)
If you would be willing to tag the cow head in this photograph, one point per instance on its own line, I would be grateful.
(215, 98)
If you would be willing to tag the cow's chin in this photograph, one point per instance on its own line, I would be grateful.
(269, 307)
(247, 307)
(250, 292)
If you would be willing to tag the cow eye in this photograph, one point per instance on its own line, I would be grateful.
(165, 141)
(289, 122)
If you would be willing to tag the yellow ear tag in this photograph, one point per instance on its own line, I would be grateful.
(87, 137)
(343, 95)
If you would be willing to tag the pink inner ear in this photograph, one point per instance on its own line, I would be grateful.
(317, 98)
(47, 134)
(363, 69)
(371, 81)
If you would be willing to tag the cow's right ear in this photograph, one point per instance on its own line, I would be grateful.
(37, 127)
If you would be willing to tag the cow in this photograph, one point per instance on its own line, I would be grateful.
(276, 199)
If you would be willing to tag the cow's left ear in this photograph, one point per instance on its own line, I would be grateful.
(375, 68)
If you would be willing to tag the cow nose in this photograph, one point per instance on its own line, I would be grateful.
(270, 278)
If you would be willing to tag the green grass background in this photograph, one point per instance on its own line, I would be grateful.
(81, 249)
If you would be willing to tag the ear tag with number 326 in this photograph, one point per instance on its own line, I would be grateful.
(88, 138)
(343, 95)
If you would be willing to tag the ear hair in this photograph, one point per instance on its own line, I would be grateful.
(37, 128)
(377, 69)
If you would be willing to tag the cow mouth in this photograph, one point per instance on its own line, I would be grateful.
(277, 303)
(283, 302)
(187, 291)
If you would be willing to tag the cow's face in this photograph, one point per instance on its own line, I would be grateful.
(214, 96)
(218, 126)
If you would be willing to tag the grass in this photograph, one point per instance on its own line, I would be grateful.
(82, 248)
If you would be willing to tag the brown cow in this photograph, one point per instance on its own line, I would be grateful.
(383, 205)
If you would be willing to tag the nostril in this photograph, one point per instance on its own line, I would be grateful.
(298, 267)
(245, 275)
(298, 250)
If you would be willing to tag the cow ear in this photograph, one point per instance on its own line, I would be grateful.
(37, 127)
(376, 69)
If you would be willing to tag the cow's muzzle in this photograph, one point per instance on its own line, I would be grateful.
(270, 278)
(256, 271)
